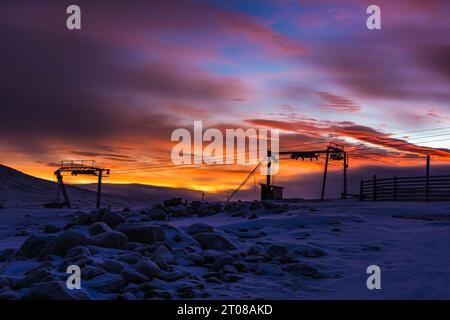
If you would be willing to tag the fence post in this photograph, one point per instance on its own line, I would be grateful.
(427, 181)
(395, 188)
(374, 187)
(361, 195)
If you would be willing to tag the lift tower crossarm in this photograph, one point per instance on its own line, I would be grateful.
(79, 167)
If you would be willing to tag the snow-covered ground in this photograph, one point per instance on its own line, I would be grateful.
(289, 250)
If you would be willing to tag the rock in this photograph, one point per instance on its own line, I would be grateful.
(8, 294)
(127, 296)
(186, 291)
(269, 269)
(210, 256)
(369, 247)
(89, 272)
(110, 239)
(35, 276)
(197, 228)
(130, 258)
(252, 217)
(231, 277)
(253, 259)
(213, 241)
(43, 265)
(50, 228)
(211, 275)
(173, 202)
(77, 251)
(97, 228)
(304, 270)
(63, 242)
(131, 275)
(112, 218)
(255, 205)
(256, 250)
(175, 275)
(84, 218)
(156, 213)
(55, 290)
(208, 209)
(276, 250)
(309, 252)
(213, 280)
(148, 268)
(112, 266)
(196, 259)
(143, 233)
(229, 269)
(34, 244)
(285, 259)
(107, 283)
(162, 251)
(4, 282)
(241, 267)
(223, 261)
(7, 254)
(180, 211)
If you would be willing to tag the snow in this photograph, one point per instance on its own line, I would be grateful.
(412, 252)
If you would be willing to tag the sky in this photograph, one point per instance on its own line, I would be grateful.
(116, 89)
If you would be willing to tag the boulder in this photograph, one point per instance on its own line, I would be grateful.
(77, 251)
(33, 277)
(110, 239)
(8, 294)
(130, 258)
(142, 233)
(107, 283)
(112, 266)
(89, 272)
(309, 252)
(50, 228)
(304, 270)
(63, 242)
(84, 218)
(197, 228)
(208, 209)
(173, 202)
(180, 211)
(156, 213)
(98, 227)
(7, 254)
(131, 275)
(4, 282)
(276, 250)
(223, 261)
(269, 269)
(148, 268)
(34, 244)
(112, 219)
(213, 241)
(256, 250)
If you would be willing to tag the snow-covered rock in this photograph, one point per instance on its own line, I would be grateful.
(213, 241)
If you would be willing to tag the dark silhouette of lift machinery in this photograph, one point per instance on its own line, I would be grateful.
(271, 192)
(332, 152)
(79, 167)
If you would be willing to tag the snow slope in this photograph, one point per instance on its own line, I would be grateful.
(333, 242)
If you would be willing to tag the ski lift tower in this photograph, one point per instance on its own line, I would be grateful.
(79, 167)
(333, 151)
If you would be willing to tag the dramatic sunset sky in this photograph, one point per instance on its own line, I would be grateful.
(115, 90)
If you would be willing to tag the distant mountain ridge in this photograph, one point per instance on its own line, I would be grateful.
(141, 192)
(21, 190)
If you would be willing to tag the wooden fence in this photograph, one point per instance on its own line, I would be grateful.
(424, 188)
